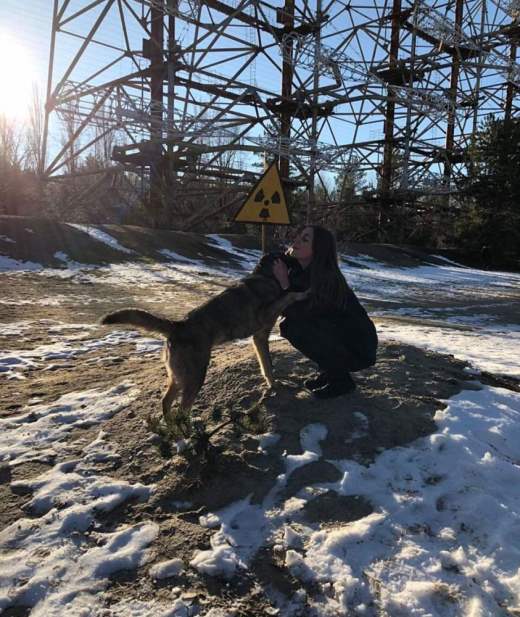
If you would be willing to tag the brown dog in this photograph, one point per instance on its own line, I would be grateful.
(248, 308)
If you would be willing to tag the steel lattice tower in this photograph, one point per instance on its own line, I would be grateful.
(194, 88)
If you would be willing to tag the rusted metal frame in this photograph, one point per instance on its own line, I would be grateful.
(314, 132)
(239, 117)
(417, 131)
(195, 45)
(80, 174)
(228, 83)
(97, 73)
(107, 85)
(387, 171)
(171, 73)
(216, 190)
(81, 12)
(195, 37)
(60, 13)
(189, 69)
(220, 33)
(230, 145)
(359, 114)
(130, 136)
(223, 112)
(452, 95)
(510, 91)
(403, 184)
(125, 34)
(345, 42)
(205, 216)
(48, 102)
(239, 15)
(52, 167)
(329, 5)
(268, 57)
(243, 53)
(479, 66)
(94, 41)
(287, 78)
(129, 99)
(157, 66)
(79, 53)
(91, 189)
(142, 24)
(377, 101)
(488, 40)
(356, 113)
(81, 150)
(130, 185)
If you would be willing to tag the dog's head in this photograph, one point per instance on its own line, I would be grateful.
(265, 265)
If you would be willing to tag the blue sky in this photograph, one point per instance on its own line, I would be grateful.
(29, 23)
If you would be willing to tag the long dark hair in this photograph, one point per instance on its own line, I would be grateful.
(328, 285)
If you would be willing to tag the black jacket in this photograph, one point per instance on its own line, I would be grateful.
(355, 328)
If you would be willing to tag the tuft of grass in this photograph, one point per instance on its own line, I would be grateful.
(179, 427)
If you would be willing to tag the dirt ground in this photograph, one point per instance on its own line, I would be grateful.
(399, 397)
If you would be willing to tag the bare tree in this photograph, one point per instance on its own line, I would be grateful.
(15, 190)
(34, 132)
(12, 153)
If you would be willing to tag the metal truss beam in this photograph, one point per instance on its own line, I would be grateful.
(193, 90)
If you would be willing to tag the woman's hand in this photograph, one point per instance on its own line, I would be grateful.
(281, 273)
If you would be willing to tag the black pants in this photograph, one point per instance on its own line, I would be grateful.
(323, 342)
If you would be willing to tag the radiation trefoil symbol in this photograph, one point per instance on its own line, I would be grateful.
(261, 197)
(266, 202)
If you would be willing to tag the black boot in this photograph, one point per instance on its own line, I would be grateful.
(336, 386)
(313, 383)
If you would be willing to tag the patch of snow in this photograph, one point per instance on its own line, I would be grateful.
(7, 239)
(166, 569)
(139, 608)
(370, 277)
(15, 328)
(40, 433)
(361, 427)
(56, 562)
(55, 300)
(177, 257)
(191, 266)
(23, 359)
(8, 264)
(310, 436)
(248, 258)
(242, 526)
(440, 539)
(449, 261)
(495, 352)
(267, 440)
(101, 236)
(75, 265)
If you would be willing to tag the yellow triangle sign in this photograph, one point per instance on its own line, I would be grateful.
(266, 203)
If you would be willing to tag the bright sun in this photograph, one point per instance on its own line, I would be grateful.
(16, 78)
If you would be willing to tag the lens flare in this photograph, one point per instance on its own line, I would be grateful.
(16, 78)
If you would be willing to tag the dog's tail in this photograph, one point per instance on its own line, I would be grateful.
(141, 319)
